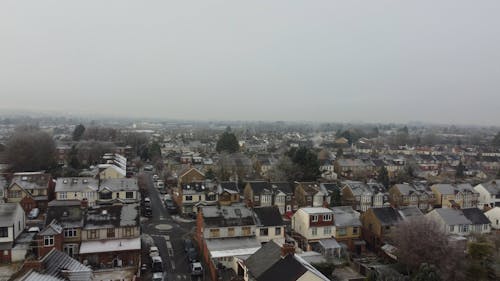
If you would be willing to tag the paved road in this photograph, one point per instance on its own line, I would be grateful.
(167, 235)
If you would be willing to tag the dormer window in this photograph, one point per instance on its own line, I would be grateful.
(327, 217)
(314, 218)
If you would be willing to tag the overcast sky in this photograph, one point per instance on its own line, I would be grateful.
(372, 61)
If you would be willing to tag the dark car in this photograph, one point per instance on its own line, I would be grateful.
(148, 212)
(192, 255)
(188, 244)
(171, 207)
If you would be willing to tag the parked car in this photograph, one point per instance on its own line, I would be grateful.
(196, 269)
(148, 168)
(153, 251)
(157, 276)
(192, 255)
(171, 207)
(34, 213)
(156, 264)
(188, 244)
(148, 213)
(155, 177)
(34, 229)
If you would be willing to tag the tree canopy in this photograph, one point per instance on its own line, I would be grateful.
(306, 162)
(78, 132)
(31, 150)
(496, 140)
(227, 142)
(383, 176)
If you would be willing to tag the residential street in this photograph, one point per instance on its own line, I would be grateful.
(167, 234)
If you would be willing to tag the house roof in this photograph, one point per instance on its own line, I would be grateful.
(387, 215)
(230, 247)
(221, 216)
(476, 216)
(8, 213)
(405, 189)
(56, 263)
(76, 184)
(268, 216)
(31, 180)
(263, 259)
(67, 216)
(35, 276)
(452, 216)
(492, 186)
(112, 245)
(285, 187)
(284, 269)
(229, 186)
(115, 185)
(345, 216)
(259, 187)
(53, 228)
(112, 216)
(410, 211)
(316, 210)
(444, 188)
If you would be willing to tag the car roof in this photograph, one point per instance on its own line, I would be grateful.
(196, 264)
(156, 258)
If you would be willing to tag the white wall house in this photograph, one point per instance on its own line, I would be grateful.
(494, 216)
(12, 224)
(489, 193)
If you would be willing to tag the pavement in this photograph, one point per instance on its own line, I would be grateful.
(167, 234)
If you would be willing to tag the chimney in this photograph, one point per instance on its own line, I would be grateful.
(287, 249)
(84, 204)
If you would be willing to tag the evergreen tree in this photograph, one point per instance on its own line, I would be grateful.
(78, 132)
(227, 142)
(383, 176)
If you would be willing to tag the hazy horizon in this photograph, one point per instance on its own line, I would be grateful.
(322, 61)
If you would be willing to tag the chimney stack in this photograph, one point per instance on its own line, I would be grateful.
(287, 249)
(84, 204)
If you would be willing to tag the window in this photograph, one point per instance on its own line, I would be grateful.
(105, 195)
(277, 231)
(452, 228)
(327, 230)
(127, 232)
(70, 249)
(48, 240)
(341, 231)
(288, 198)
(129, 195)
(189, 198)
(230, 231)
(93, 234)
(264, 232)
(19, 225)
(110, 233)
(327, 217)
(314, 231)
(4, 232)
(15, 194)
(485, 227)
(314, 218)
(246, 230)
(288, 208)
(70, 232)
(465, 228)
(63, 195)
(214, 233)
(256, 198)
(354, 230)
(118, 195)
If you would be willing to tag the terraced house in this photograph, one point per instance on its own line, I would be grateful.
(31, 190)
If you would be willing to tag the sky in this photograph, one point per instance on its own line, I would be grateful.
(327, 61)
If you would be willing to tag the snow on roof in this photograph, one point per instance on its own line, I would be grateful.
(316, 210)
(231, 247)
(115, 245)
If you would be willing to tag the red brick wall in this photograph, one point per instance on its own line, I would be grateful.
(5, 258)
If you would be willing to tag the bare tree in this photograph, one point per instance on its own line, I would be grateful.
(421, 240)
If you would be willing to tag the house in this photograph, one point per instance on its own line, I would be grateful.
(269, 224)
(49, 238)
(258, 193)
(58, 266)
(350, 168)
(489, 193)
(188, 196)
(77, 189)
(228, 192)
(111, 171)
(12, 224)
(377, 225)
(361, 196)
(402, 195)
(3, 187)
(225, 233)
(455, 196)
(273, 262)
(69, 215)
(461, 221)
(311, 224)
(284, 197)
(494, 216)
(334, 193)
(309, 194)
(121, 190)
(347, 228)
(111, 236)
(31, 190)
(189, 175)
(410, 212)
